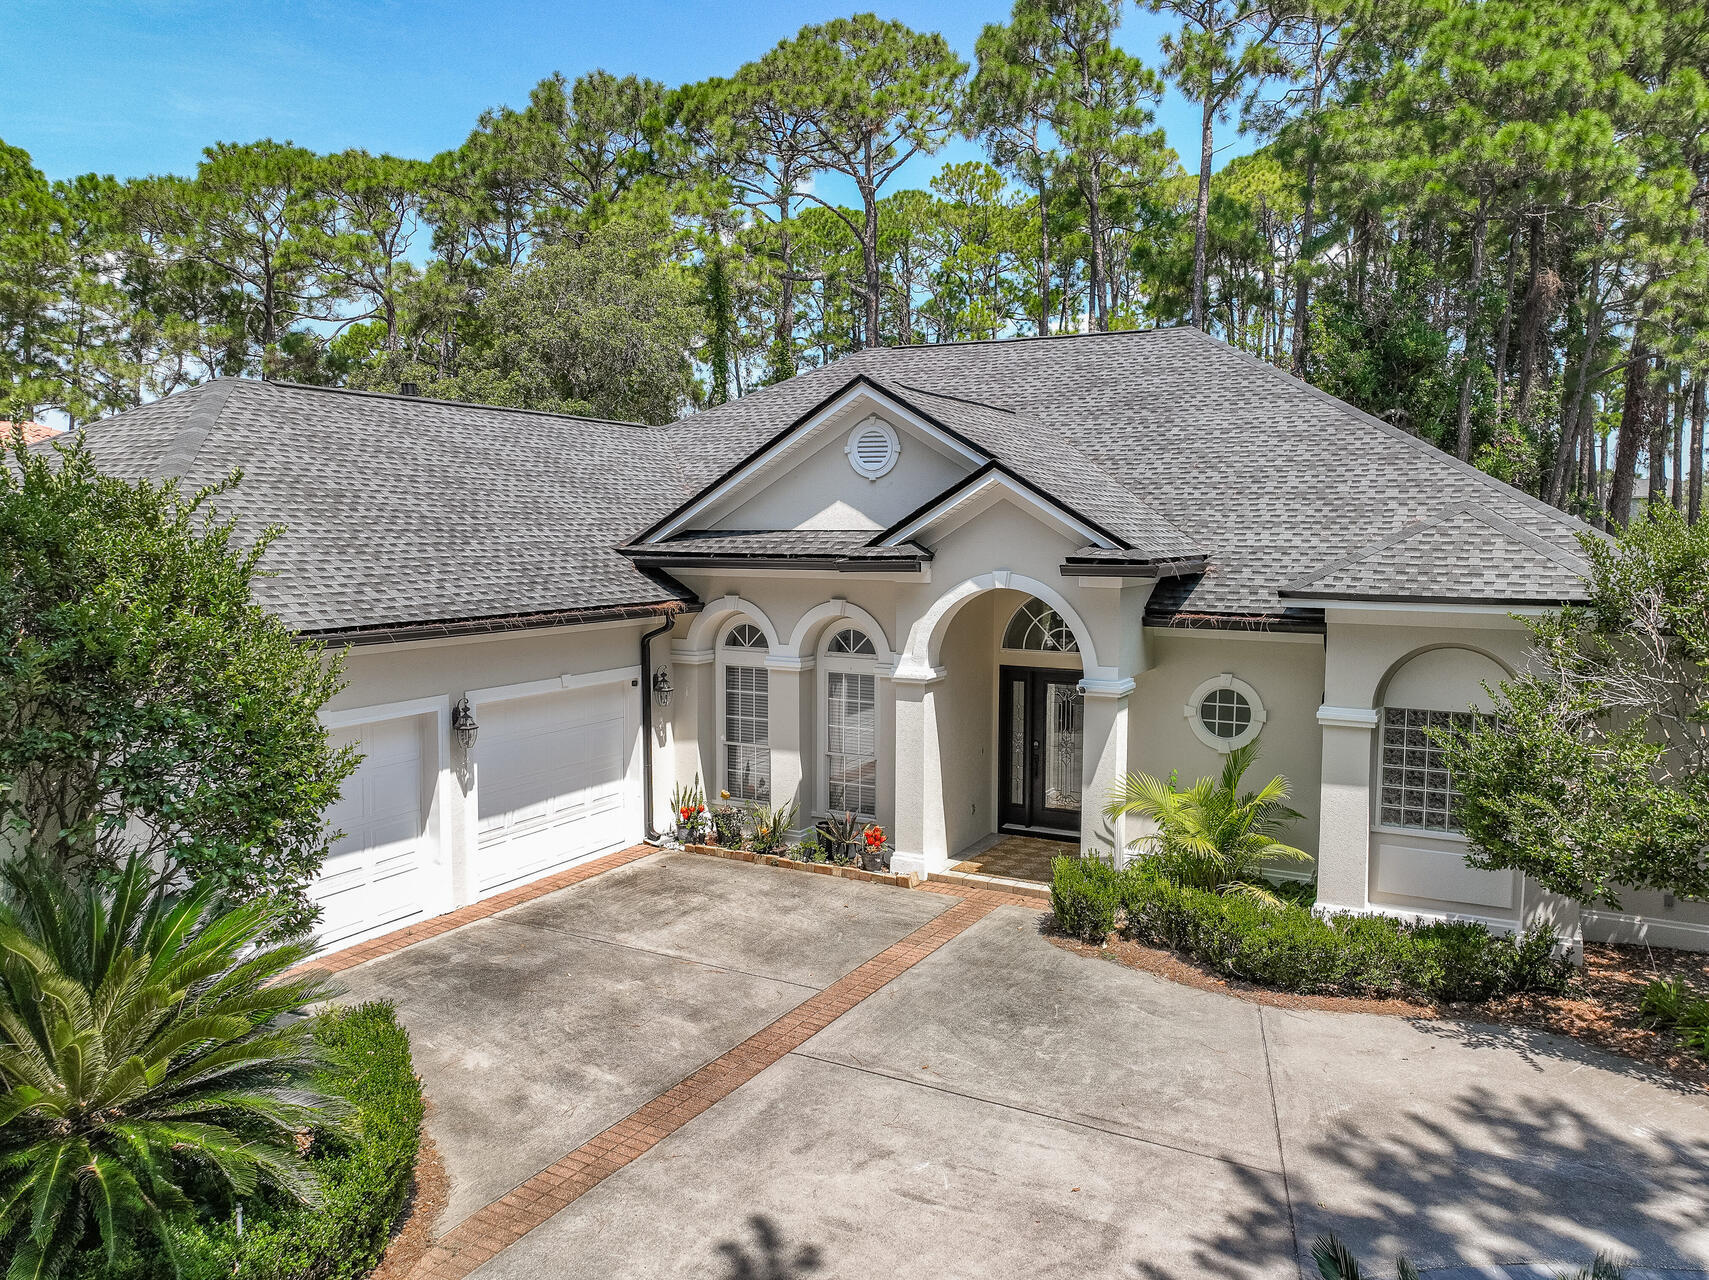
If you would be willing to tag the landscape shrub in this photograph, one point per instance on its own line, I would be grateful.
(1670, 1005)
(366, 1165)
(1290, 948)
(1084, 894)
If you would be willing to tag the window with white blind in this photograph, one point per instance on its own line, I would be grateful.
(851, 724)
(747, 714)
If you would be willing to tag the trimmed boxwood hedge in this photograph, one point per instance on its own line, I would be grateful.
(366, 1167)
(1293, 949)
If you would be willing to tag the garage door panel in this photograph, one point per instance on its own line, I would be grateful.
(553, 784)
(381, 872)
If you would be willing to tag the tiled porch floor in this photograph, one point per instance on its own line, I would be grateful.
(1014, 858)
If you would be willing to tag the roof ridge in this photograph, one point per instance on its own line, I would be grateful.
(433, 400)
(944, 395)
(1021, 337)
(210, 402)
(1501, 524)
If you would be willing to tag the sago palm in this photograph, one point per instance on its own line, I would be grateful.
(1212, 835)
(148, 1062)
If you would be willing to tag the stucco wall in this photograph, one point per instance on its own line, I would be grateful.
(964, 705)
(823, 491)
(1287, 672)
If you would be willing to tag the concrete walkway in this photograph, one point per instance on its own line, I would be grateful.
(807, 1077)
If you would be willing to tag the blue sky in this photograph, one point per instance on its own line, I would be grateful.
(141, 87)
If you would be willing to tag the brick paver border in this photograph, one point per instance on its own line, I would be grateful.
(489, 1231)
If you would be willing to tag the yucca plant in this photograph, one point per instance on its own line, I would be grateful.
(149, 1063)
(1213, 835)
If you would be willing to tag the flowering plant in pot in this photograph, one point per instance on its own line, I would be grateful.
(727, 822)
(875, 853)
(689, 805)
(771, 829)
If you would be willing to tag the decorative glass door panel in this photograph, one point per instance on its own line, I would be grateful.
(1042, 752)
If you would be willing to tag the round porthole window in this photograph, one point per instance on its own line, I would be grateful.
(873, 448)
(1225, 713)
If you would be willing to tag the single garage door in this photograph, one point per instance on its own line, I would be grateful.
(382, 873)
(553, 782)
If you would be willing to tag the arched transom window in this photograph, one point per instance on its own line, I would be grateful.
(1041, 629)
(850, 745)
(747, 714)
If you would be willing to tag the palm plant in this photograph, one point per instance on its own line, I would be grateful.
(1335, 1261)
(148, 1064)
(1213, 835)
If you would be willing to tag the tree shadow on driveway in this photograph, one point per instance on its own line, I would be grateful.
(769, 1257)
(1484, 1179)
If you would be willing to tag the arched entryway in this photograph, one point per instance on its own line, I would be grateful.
(1041, 723)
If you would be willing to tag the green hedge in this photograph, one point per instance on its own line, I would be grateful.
(365, 1166)
(1292, 949)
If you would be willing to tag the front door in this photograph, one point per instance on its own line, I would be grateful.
(1041, 750)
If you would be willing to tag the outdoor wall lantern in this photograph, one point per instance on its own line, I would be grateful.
(463, 724)
(662, 687)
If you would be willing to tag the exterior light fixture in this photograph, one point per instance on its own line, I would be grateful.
(662, 687)
(463, 724)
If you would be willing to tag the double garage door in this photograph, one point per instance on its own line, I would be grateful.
(554, 784)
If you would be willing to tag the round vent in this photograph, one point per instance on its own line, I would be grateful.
(872, 448)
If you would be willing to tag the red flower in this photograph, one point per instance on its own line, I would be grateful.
(874, 837)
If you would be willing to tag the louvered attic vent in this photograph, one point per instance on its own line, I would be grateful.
(873, 448)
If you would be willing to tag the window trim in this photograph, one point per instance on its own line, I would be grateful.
(847, 664)
(1227, 680)
(745, 657)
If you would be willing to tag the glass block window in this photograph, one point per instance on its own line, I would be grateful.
(851, 740)
(1038, 627)
(1417, 791)
(1225, 713)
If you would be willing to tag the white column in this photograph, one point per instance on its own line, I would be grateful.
(1104, 764)
(1344, 822)
(789, 681)
(918, 839)
(694, 719)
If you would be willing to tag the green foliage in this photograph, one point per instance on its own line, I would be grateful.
(1670, 1005)
(1592, 776)
(771, 827)
(1213, 835)
(727, 822)
(146, 700)
(149, 1063)
(1335, 1261)
(1291, 949)
(1084, 895)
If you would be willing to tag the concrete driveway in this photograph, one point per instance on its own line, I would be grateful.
(997, 1107)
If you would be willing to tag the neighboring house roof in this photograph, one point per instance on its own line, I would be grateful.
(401, 511)
(1265, 473)
(34, 432)
(1467, 556)
(1248, 494)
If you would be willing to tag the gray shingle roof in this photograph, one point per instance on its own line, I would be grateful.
(1470, 555)
(810, 546)
(1267, 473)
(402, 510)
(405, 510)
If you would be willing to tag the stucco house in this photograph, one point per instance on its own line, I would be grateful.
(959, 589)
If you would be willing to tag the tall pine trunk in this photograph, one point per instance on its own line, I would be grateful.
(1623, 483)
(1043, 255)
(1468, 379)
(1201, 215)
(1699, 410)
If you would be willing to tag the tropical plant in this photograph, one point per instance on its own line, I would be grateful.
(1213, 835)
(688, 803)
(842, 834)
(1335, 1261)
(727, 822)
(1669, 1005)
(145, 1059)
(771, 828)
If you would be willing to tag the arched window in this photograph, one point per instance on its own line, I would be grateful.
(1038, 627)
(747, 714)
(850, 742)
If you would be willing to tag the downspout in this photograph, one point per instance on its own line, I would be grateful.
(651, 833)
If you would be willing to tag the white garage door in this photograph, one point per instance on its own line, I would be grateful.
(553, 782)
(383, 872)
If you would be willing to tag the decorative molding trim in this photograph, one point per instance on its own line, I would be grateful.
(786, 661)
(556, 684)
(1093, 687)
(1347, 717)
(1254, 703)
(350, 717)
(690, 657)
(612, 675)
(908, 673)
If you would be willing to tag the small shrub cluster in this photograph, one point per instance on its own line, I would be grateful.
(1290, 948)
(1670, 1005)
(366, 1164)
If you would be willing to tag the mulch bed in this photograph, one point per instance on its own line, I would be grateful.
(1600, 1010)
(413, 1235)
